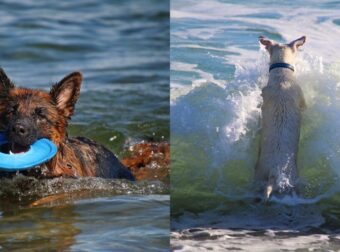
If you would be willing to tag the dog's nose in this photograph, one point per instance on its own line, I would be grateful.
(19, 129)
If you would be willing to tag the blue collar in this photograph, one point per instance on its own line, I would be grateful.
(284, 65)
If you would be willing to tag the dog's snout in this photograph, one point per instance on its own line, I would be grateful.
(20, 129)
(22, 132)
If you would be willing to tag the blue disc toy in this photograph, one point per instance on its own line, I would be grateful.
(39, 152)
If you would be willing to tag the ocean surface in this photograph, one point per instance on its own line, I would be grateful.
(85, 214)
(217, 72)
(122, 49)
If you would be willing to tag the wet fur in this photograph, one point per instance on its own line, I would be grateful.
(283, 101)
(281, 120)
(49, 113)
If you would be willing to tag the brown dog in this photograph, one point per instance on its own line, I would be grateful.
(27, 115)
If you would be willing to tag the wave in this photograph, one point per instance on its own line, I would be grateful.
(216, 81)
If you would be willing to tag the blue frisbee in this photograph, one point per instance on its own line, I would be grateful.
(40, 152)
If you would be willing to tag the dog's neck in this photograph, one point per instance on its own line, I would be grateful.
(281, 65)
(280, 74)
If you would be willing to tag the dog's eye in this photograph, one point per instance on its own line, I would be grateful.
(39, 112)
(12, 110)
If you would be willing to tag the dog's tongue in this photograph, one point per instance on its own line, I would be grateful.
(17, 148)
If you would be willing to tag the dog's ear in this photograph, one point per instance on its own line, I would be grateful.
(66, 93)
(298, 42)
(266, 42)
(5, 82)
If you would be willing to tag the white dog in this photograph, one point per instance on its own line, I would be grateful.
(283, 101)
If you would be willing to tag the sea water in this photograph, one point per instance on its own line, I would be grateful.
(122, 49)
(218, 69)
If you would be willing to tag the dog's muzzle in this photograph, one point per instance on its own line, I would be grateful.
(21, 134)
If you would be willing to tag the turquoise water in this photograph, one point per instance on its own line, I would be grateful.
(217, 71)
(122, 49)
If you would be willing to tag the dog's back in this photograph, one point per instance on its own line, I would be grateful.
(281, 120)
(84, 157)
(283, 101)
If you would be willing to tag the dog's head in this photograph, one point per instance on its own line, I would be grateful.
(282, 53)
(27, 115)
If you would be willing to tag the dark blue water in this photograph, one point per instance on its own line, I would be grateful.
(122, 49)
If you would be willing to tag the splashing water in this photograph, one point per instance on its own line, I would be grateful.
(216, 82)
(226, 118)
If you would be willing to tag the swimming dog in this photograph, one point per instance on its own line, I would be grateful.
(27, 115)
